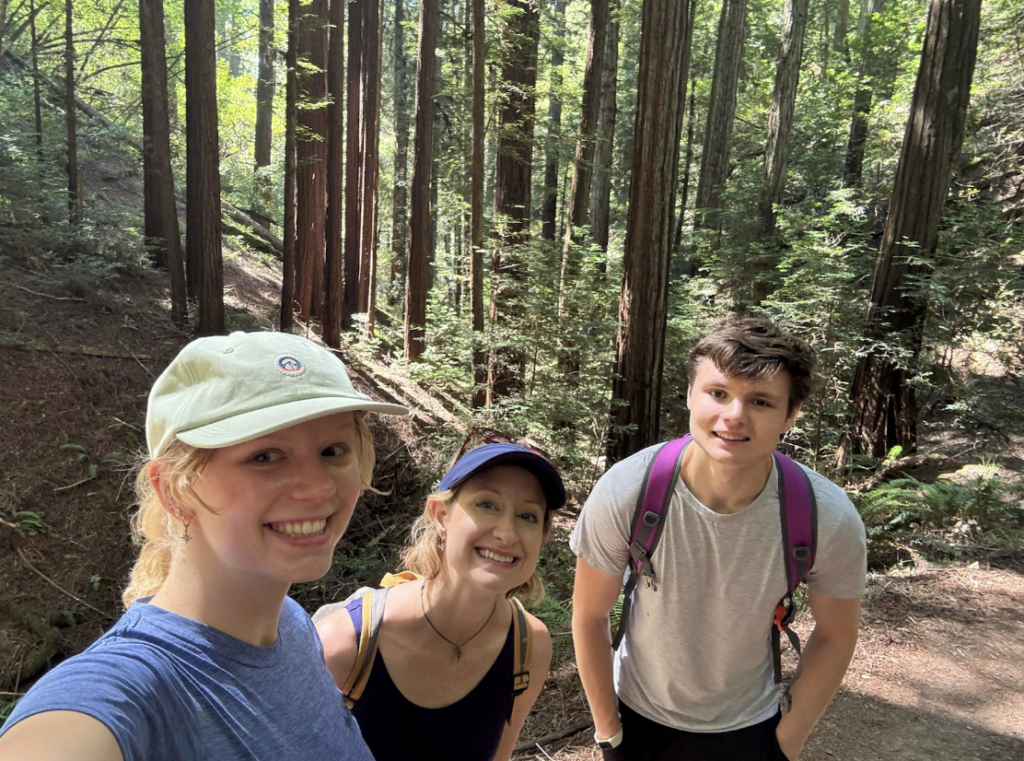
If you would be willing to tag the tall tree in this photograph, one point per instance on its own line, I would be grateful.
(353, 162)
(552, 149)
(400, 193)
(335, 254)
(780, 130)
(265, 86)
(867, 69)
(161, 213)
(643, 305)
(601, 184)
(369, 138)
(714, 160)
(882, 399)
(583, 165)
(512, 188)
(205, 272)
(290, 168)
(476, 222)
(74, 183)
(419, 225)
(36, 90)
(311, 160)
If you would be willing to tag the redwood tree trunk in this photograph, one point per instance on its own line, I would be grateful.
(476, 222)
(882, 401)
(400, 193)
(369, 141)
(36, 91)
(643, 305)
(203, 224)
(419, 227)
(714, 160)
(583, 165)
(601, 184)
(161, 213)
(776, 155)
(353, 186)
(334, 252)
(264, 108)
(74, 184)
(549, 207)
(853, 167)
(512, 189)
(291, 120)
(311, 147)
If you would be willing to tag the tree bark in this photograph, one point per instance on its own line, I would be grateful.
(549, 207)
(714, 160)
(419, 227)
(601, 184)
(290, 168)
(74, 183)
(883, 408)
(311, 147)
(353, 162)
(643, 305)
(400, 193)
(334, 281)
(265, 86)
(161, 213)
(583, 165)
(853, 166)
(476, 223)
(369, 140)
(512, 190)
(37, 96)
(780, 130)
(205, 273)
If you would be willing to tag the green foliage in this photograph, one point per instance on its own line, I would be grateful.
(985, 511)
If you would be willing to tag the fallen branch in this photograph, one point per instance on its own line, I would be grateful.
(84, 351)
(559, 735)
(240, 217)
(55, 585)
(44, 295)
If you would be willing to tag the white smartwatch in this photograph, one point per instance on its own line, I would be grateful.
(611, 742)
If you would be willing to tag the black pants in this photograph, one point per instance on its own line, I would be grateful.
(646, 740)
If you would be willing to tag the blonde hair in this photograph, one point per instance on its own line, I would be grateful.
(156, 530)
(424, 552)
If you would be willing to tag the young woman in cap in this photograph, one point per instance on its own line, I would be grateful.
(257, 454)
(445, 673)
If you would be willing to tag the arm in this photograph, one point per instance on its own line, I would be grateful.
(594, 594)
(540, 662)
(339, 640)
(822, 667)
(60, 736)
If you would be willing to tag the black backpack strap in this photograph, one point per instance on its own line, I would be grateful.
(648, 521)
(522, 650)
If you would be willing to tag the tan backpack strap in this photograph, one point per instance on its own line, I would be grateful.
(522, 649)
(366, 652)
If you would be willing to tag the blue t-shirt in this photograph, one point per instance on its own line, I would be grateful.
(171, 688)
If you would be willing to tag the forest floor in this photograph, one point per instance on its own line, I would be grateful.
(938, 672)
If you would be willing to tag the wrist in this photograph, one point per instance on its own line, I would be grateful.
(608, 742)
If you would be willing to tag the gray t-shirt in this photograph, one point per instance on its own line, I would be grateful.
(696, 654)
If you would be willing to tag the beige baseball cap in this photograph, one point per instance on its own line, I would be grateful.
(225, 390)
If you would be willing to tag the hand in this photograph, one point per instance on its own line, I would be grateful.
(785, 749)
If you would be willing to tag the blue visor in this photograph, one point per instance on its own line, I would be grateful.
(489, 455)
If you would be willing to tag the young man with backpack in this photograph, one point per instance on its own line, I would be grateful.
(716, 531)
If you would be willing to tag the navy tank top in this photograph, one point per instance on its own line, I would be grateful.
(467, 730)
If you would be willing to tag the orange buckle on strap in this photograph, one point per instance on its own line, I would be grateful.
(780, 616)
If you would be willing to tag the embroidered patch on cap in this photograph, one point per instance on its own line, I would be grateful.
(289, 365)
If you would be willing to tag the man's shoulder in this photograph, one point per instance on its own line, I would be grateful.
(827, 493)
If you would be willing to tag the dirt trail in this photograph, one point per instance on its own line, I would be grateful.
(938, 674)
